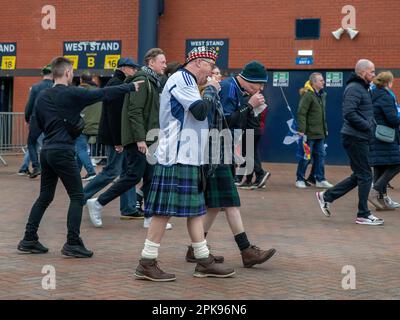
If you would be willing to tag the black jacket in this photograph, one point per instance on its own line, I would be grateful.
(70, 101)
(358, 114)
(110, 121)
(385, 112)
(35, 90)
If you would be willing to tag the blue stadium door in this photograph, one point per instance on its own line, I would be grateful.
(272, 147)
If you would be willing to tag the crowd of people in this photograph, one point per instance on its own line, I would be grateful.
(152, 119)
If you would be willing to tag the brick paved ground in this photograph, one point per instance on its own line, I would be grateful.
(312, 249)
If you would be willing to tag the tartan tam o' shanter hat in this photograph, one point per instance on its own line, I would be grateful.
(202, 52)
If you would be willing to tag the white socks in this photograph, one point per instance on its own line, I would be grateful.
(200, 250)
(150, 250)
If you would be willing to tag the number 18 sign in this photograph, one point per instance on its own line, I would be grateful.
(8, 53)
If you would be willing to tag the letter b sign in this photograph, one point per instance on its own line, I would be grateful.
(90, 62)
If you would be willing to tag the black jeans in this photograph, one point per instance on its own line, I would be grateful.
(58, 163)
(258, 170)
(358, 152)
(33, 136)
(138, 168)
(383, 175)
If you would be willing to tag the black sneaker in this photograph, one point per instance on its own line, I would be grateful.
(89, 177)
(238, 180)
(22, 172)
(32, 246)
(133, 216)
(36, 172)
(262, 180)
(139, 198)
(76, 251)
(311, 182)
(247, 186)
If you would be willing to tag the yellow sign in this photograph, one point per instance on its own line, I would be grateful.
(74, 60)
(8, 63)
(111, 61)
(90, 62)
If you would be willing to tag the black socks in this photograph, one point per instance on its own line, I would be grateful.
(242, 241)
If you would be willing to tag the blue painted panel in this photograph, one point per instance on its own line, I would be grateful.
(272, 148)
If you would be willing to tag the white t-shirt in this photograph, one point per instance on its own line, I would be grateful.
(182, 138)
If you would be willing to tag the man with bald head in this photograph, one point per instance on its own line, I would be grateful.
(357, 130)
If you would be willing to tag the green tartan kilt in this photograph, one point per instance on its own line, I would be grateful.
(221, 191)
(175, 191)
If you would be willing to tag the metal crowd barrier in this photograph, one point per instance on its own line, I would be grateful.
(97, 151)
(13, 134)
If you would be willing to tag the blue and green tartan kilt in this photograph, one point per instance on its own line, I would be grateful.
(175, 191)
(221, 191)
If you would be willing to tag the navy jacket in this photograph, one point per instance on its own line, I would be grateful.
(234, 102)
(385, 112)
(110, 121)
(35, 90)
(358, 114)
(71, 101)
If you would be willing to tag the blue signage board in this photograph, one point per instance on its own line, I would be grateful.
(8, 55)
(93, 54)
(219, 45)
(304, 60)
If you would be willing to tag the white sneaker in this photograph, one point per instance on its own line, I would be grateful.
(300, 184)
(147, 221)
(390, 203)
(323, 184)
(370, 220)
(323, 204)
(95, 211)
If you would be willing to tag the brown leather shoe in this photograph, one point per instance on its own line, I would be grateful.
(148, 269)
(254, 255)
(191, 258)
(209, 268)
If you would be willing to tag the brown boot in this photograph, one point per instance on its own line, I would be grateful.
(191, 258)
(208, 268)
(254, 255)
(148, 269)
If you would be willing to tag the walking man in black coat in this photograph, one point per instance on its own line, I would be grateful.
(357, 130)
(57, 110)
(110, 136)
(30, 118)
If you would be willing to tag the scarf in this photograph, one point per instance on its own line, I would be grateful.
(216, 120)
(152, 74)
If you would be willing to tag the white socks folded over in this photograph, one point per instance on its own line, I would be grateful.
(150, 250)
(200, 250)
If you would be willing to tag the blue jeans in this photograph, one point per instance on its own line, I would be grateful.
(317, 150)
(116, 166)
(82, 155)
(27, 158)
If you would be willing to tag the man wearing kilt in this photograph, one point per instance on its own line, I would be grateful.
(221, 191)
(176, 188)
